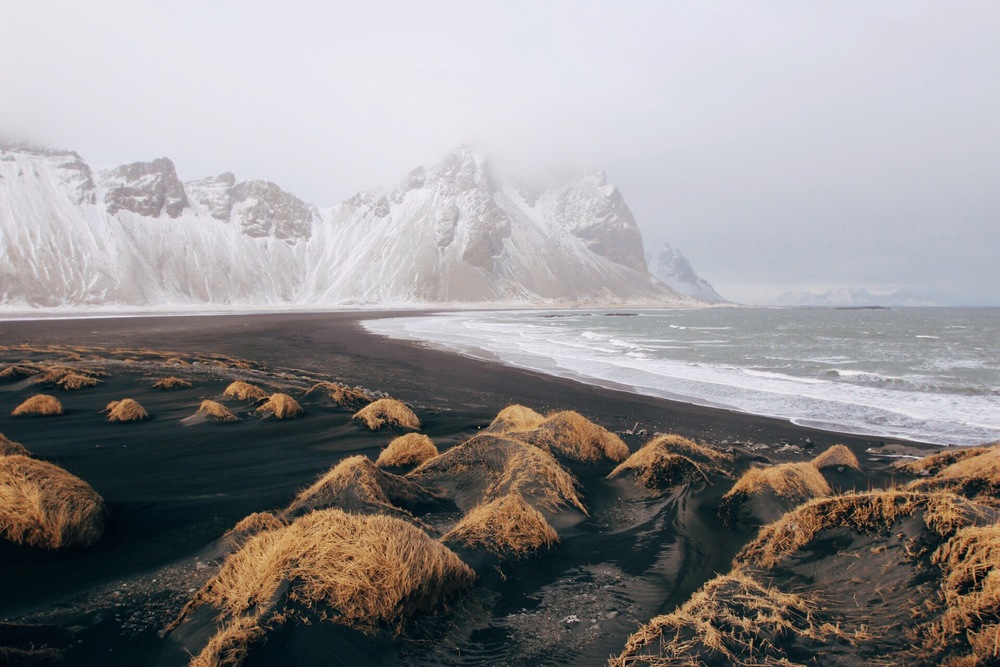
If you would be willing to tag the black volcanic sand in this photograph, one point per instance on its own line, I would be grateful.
(172, 490)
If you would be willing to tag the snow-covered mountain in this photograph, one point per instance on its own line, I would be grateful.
(674, 269)
(136, 235)
(846, 297)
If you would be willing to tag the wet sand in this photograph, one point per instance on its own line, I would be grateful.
(173, 490)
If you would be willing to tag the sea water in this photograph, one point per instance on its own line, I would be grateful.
(923, 374)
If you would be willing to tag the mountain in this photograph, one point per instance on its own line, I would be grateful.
(674, 269)
(846, 297)
(136, 235)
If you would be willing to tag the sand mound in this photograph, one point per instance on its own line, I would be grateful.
(515, 418)
(489, 467)
(171, 382)
(669, 460)
(244, 391)
(72, 381)
(39, 404)
(387, 412)
(357, 485)
(217, 411)
(571, 436)
(353, 398)
(507, 527)
(935, 463)
(17, 372)
(763, 495)
(10, 448)
(407, 450)
(976, 476)
(42, 505)
(126, 410)
(281, 406)
(359, 571)
(837, 456)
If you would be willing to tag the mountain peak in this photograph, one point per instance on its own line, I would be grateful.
(145, 188)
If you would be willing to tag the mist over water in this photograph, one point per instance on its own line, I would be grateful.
(929, 375)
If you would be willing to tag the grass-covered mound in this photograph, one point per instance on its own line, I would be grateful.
(353, 398)
(10, 448)
(357, 485)
(973, 476)
(935, 463)
(42, 505)
(507, 527)
(171, 383)
(387, 413)
(883, 577)
(410, 449)
(361, 571)
(39, 404)
(670, 460)
(763, 495)
(571, 436)
(489, 467)
(244, 391)
(214, 411)
(72, 381)
(515, 418)
(15, 372)
(837, 456)
(281, 406)
(126, 410)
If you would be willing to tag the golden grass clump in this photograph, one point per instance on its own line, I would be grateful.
(507, 526)
(39, 404)
(18, 372)
(387, 412)
(669, 460)
(42, 505)
(356, 484)
(488, 467)
(407, 450)
(515, 418)
(281, 406)
(572, 436)
(216, 411)
(971, 476)
(935, 463)
(171, 382)
(72, 381)
(837, 456)
(870, 512)
(244, 391)
(10, 448)
(344, 396)
(732, 620)
(360, 571)
(253, 524)
(126, 410)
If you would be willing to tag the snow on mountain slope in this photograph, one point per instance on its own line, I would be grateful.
(674, 269)
(136, 235)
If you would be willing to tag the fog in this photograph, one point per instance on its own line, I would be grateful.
(778, 145)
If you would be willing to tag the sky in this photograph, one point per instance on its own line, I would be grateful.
(779, 145)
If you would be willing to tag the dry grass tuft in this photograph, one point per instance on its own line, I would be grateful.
(732, 620)
(572, 436)
(360, 571)
(669, 460)
(837, 456)
(789, 483)
(42, 505)
(72, 381)
(975, 476)
(871, 512)
(281, 406)
(244, 391)
(39, 404)
(353, 398)
(387, 412)
(357, 485)
(488, 467)
(507, 526)
(216, 411)
(171, 383)
(126, 410)
(10, 448)
(515, 418)
(18, 372)
(407, 450)
(253, 524)
(935, 463)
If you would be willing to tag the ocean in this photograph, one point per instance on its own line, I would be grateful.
(921, 374)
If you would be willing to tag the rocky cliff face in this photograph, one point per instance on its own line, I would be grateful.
(674, 269)
(449, 233)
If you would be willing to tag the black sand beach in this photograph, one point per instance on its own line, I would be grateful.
(173, 489)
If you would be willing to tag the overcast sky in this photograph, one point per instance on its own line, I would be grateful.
(779, 145)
